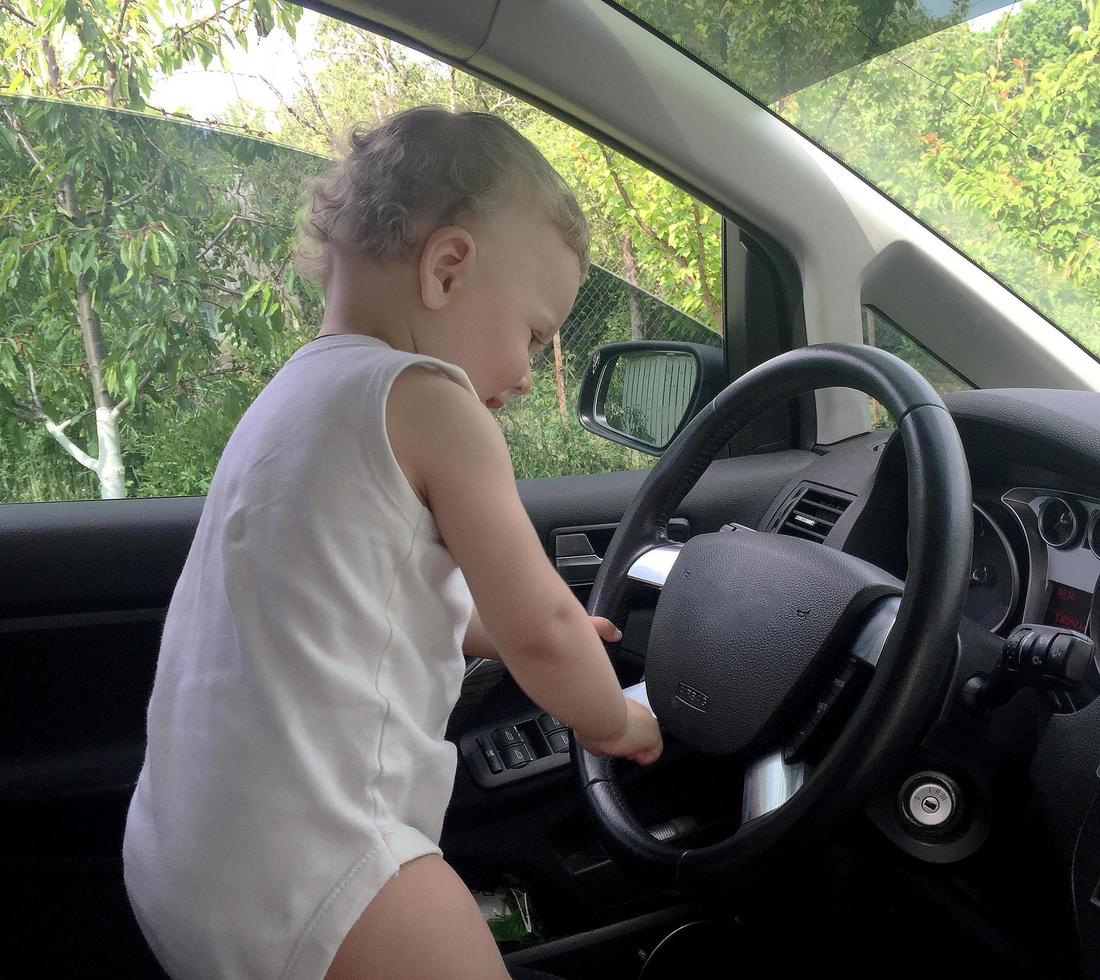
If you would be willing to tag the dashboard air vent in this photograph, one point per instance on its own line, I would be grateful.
(812, 515)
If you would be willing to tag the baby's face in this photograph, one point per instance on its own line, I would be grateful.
(525, 282)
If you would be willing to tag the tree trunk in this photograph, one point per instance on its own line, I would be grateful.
(559, 377)
(111, 472)
(637, 328)
(109, 468)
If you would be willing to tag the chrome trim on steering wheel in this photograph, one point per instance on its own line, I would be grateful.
(638, 692)
(769, 783)
(872, 637)
(653, 567)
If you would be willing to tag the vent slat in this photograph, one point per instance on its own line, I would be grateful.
(813, 515)
(813, 503)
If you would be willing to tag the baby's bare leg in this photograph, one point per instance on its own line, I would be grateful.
(423, 925)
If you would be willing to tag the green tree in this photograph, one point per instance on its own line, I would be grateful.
(132, 252)
(772, 48)
(998, 152)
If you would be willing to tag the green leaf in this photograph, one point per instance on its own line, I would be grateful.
(8, 367)
(133, 88)
(130, 379)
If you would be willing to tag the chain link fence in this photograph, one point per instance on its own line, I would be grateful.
(608, 310)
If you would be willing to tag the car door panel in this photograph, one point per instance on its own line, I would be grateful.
(84, 587)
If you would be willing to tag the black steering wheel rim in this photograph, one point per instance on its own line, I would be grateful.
(918, 651)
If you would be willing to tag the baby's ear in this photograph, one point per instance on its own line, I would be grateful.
(445, 260)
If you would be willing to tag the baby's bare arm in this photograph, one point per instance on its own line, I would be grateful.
(454, 453)
(478, 644)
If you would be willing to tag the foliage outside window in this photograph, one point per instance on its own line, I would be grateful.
(146, 294)
(986, 129)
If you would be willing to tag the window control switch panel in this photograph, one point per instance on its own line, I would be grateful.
(518, 749)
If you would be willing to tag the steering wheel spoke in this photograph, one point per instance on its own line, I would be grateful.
(839, 698)
(773, 779)
(653, 566)
(769, 783)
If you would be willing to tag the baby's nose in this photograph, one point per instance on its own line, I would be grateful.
(524, 385)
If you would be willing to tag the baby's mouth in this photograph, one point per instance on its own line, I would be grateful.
(493, 403)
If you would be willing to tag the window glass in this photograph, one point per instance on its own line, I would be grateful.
(881, 332)
(151, 156)
(979, 117)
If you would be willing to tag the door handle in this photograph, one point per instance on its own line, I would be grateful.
(575, 559)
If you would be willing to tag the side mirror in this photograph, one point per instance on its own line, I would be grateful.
(642, 393)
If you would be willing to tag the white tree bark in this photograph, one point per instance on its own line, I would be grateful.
(109, 468)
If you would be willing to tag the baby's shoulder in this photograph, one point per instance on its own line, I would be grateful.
(434, 423)
(423, 384)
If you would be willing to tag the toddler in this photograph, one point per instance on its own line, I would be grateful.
(362, 531)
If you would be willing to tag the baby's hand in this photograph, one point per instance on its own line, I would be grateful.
(640, 741)
(608, 631)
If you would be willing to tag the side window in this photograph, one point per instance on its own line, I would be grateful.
(147, 203)
(881, 332)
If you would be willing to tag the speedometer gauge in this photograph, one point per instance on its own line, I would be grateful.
(994, 576)
(1057, 522)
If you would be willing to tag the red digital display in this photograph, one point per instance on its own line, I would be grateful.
(1068, 607)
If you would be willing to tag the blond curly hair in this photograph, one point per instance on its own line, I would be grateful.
(426, 165)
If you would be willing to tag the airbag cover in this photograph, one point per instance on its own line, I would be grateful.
(745, 628)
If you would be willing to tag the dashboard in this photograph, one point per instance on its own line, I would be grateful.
(1062, 533)
(1034, 457)
(1053, 582)
(1025, 770)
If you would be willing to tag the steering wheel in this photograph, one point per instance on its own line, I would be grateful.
(752, 631)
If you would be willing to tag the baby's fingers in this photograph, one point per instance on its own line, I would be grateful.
(607, 630)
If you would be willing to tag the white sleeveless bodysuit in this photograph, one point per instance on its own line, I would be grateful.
(310, 658)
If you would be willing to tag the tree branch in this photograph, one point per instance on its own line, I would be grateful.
(69, 90)
(182, 32)
(643, 225)
(71, 447)
(147, 186)
(57, 431)
(22, 137)
(234, 369)
(320, 110)
(8, 8)
(139, 387)
(205, 283)
(76, 418)
(65, 188)
(42, 241)
(51, 66)
(26, 415)
(218, 237)
(295, 113)
(108, 192)
(701, 260)
(121, 17)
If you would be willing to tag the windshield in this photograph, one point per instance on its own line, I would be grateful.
(982, 120)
